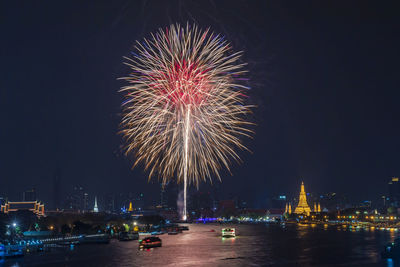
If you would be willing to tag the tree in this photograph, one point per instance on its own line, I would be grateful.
(65, 229)
(3, 225)
(81, 228)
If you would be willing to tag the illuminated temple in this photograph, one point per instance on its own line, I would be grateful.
(302, 207)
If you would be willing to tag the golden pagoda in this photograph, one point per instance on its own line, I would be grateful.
(319, 207)
(288, 208)
(130, 207)
(302, 207)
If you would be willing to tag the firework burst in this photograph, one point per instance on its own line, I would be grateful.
(184, 112)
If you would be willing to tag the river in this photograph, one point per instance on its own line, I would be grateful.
(255, 245)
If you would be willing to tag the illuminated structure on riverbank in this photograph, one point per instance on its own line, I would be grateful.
(302, 207)
(34, 206)
(288, 208)
(95, 208)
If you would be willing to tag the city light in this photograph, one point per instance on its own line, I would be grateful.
(268, 133)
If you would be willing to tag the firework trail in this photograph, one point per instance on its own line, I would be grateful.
(184, 112)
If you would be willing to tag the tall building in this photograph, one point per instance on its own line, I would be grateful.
(302, 207)
(201, 200)
(85, 203)
(394, 192)
(56, 191)
(163, 195)
(29, 195)
(139, 202)
(277, 202)
(77, 200)
(110, 203)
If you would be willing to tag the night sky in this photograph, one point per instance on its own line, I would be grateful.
(325, 78)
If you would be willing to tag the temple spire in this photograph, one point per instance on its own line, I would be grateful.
(130, 207)
(95, 209)
(302, 188)
(302, 207)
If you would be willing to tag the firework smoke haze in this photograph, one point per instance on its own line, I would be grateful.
(184, 111)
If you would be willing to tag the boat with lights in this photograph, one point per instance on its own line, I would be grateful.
(228, 232)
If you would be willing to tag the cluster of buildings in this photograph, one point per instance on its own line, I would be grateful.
(207, 204)
(391, 201)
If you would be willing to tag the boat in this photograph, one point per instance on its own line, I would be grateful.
(156, 233)
(184, 228)
(228, 232)
(172, 233)
(150, 242)
(145, 233)
(128, 236)
(11, 251)
(98, 239)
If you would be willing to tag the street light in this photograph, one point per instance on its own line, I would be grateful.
(14, 224)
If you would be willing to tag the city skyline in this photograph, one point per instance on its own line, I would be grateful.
(78, 199)
(325, 95)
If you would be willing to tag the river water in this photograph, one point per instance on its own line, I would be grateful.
(255, 245)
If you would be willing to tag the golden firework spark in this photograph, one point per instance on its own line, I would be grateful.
(184, 112)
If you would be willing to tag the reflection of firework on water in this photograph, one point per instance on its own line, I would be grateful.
(184, 110)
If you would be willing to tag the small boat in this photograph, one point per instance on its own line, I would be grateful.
(128, 236)
(156, 233)
(150, 242)
(172, 233)
(228, 232)
(144, 233)
(11, 251)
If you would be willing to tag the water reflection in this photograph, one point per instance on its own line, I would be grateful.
(287, 245)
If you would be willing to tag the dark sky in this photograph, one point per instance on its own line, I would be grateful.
(324, 74)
